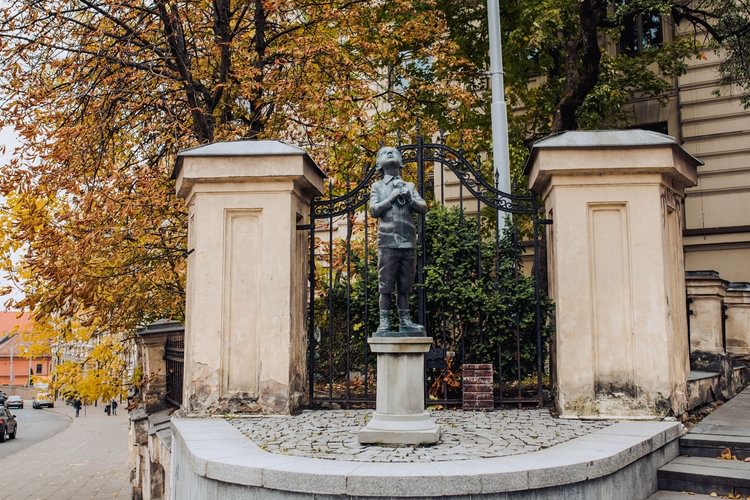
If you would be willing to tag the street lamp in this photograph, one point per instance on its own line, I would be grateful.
(499, 113)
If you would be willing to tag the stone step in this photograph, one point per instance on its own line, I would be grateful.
(679, 495)
(705, 475)
(711, 445)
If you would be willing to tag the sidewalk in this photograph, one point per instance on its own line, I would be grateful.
(88, 460)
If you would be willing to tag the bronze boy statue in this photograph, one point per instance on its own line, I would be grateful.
(394, 201)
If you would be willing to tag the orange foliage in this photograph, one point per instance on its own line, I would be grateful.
(104, 93)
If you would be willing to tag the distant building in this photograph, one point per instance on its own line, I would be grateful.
(16, 368)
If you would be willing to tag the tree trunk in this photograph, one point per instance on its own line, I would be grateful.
(582, 59)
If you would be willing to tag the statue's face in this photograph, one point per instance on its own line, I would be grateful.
(389, 159)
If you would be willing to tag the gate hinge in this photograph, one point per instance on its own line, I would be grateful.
(304, 227)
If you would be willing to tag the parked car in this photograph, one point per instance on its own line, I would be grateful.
(41, 400)
(3, 397)
(7, 424)
(14, 402)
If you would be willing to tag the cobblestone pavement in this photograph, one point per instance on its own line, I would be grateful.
(465, 435)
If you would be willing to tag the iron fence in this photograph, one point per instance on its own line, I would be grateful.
(174, 356)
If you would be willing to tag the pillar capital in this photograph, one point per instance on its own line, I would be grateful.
(574, 156)
(247, 162)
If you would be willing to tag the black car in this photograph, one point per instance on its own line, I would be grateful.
(7, 424)
(3, 397)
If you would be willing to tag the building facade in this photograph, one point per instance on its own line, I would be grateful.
(17, 368)
(708, 119)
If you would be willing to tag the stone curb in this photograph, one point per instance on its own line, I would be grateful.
(218, 451)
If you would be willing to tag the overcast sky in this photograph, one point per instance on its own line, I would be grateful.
(10, 141)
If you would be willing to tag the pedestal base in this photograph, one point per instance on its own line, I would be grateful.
(400, 429)
(399, 416)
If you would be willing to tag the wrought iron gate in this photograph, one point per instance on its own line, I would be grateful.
(492, 312)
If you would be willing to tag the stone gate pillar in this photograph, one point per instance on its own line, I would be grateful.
(616, 270)
(706, 291)
(152, 340)
(245, 341)
(738, 319)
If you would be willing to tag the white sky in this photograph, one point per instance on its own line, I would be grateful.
(10, 141)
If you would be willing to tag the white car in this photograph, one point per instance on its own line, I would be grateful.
(41, 400)
(14, 402)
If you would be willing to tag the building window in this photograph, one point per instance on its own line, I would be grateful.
(641, 32)
(38, 369)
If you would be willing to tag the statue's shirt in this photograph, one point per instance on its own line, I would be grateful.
(396, 228)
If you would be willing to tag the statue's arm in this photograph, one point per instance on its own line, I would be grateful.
(417, 202)
(377, 206)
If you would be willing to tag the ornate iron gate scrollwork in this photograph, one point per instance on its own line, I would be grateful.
(343, 288)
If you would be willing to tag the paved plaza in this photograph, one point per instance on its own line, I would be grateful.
(466, 435)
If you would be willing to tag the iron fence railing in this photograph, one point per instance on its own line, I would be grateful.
(342, 302)
(174, 357)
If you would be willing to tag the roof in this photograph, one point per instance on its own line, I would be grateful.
(242, 148)
(161, 326)
(604, 138)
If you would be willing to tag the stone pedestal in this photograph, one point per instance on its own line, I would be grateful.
(616, 270)
(706, 291)
(400, 416)
(245, 341)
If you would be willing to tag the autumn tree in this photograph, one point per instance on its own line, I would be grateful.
(565, 67)
(104, 93)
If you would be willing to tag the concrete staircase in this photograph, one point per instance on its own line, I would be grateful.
(699, 468)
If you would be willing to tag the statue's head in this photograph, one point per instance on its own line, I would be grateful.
(388, 156)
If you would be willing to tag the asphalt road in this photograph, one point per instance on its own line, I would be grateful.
(33, 426)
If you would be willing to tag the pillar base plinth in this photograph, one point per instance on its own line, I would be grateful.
(400, 429)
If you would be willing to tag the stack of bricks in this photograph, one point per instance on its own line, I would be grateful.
(477, 387)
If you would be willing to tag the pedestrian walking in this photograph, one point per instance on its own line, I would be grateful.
(114, 407)
(107, 409)
(77, 406)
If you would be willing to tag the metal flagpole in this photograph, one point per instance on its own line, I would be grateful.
(499, 115)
